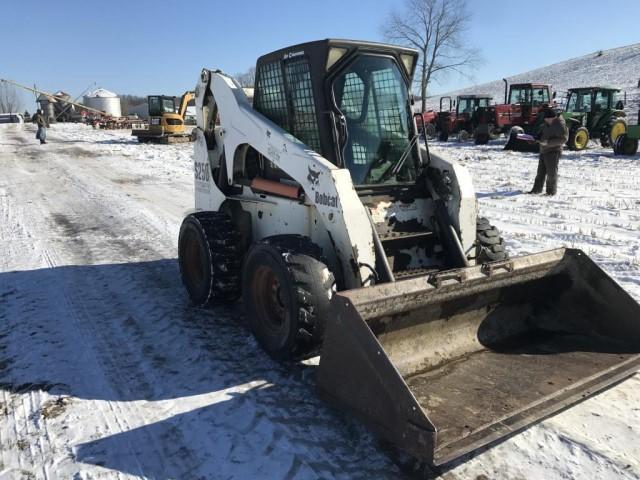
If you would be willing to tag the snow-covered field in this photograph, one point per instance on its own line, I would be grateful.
(616, 67)
(106, 372)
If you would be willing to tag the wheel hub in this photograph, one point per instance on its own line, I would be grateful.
(270, 300)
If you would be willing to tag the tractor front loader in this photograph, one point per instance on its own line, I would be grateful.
(345, 236)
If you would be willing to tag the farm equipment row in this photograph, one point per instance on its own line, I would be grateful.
(590, 112)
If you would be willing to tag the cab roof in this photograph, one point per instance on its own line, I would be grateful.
(532, 85)
(477, 95)
(577, 89)
(318, 51)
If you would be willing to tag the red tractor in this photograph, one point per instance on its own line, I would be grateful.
(426, 121)
(456, 119)
(522, 103)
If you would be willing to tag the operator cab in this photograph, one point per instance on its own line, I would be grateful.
(467, 104)
(586, 100)
(529, 94)
(160, 104)
(349, 101)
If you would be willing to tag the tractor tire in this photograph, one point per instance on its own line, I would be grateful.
(625, 145)
(463, 136)
(616, 128)
(578, 139)
(430, 130)
(482, 138)
(210, 258)
(286, 291)
(489, 244)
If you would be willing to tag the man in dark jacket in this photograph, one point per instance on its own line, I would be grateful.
(42, 122)
(553, 136)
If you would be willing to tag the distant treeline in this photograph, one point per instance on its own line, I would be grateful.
(127, 101)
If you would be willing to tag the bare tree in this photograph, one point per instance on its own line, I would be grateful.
(437, 29)
(9, 99)
(247, 79)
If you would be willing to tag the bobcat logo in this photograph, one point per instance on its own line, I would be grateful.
(313, 177)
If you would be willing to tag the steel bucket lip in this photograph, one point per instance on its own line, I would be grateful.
(397, 297)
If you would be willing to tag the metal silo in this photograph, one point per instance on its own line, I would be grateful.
(104, 100)
(46, 104)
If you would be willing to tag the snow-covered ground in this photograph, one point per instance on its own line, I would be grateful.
(106, 372)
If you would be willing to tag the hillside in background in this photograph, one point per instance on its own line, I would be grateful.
(617, 67)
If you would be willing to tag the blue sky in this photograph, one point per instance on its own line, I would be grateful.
(143, 46)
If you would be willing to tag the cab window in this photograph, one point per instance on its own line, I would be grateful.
(520, 95)
(602, 100)
(465, 105)
(572, 102)
(540, 96)
(372, 95)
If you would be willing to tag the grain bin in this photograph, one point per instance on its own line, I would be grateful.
(104, 100)
(46, 104)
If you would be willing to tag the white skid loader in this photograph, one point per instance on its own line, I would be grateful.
(322, 208)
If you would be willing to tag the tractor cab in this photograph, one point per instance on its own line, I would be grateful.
(348, 101)
(599, 110)
(594, 101)
(531, 94)
(468, 104)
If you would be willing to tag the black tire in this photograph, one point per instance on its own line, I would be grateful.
(625, 145)
(489, 244)
(481, 138)
(575, 139)
(443, 135)
(286, 291)
(210, 258)
(615, 122)
(463, 136)
(430, 130)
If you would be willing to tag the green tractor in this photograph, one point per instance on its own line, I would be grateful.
(594, 112)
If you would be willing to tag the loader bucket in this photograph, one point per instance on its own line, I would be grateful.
(444, 364)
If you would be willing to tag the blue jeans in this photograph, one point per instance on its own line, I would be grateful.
(41, 134)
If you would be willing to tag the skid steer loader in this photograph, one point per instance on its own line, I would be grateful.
(322, 208)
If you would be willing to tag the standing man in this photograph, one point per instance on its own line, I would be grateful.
(42, 122)
(553, 136)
